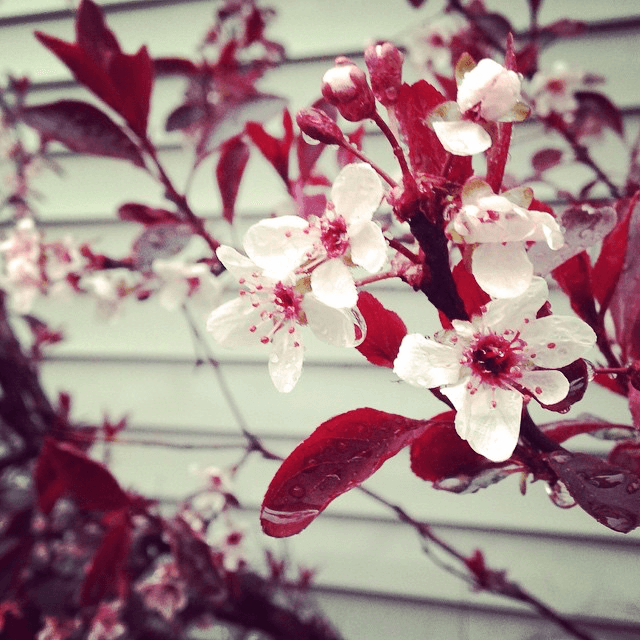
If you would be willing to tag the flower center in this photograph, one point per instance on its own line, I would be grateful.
(288, 300)
(334, 237)
(494, 357)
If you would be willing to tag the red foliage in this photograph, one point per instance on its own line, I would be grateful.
(339, 455)
(234, 156)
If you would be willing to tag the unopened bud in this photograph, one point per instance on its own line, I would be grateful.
(384, 62)
(345, 86)
(318, 125)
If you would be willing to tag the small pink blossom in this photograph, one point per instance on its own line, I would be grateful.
(500, 225)
(165, 591)
(487, 366)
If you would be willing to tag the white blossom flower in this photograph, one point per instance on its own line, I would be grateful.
(330, 245)
(500, 225)
(270, 311)
(487, 92)
(553, 90)
(346, 235)
(485, 366)
(181, 281)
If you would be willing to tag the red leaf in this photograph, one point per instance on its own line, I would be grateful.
(607, 492)
(473, 297)
(385, 331)
(160, 241)
(234, 156)
(82, 128)
(105, 575)
(174, 66)
(123, 81)
(63, 469)
(625, 301)
(510, 61)
(544, 159)
(611, 259)
(339, 455)
(574, 278)
(148, 216)
(598, 106)
(563, 430)
(498, 154)
(577, 373)
(275, 150)
(627, 455)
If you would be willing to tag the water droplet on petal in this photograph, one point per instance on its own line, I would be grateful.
(329, 483)
(288, 517)
(297, 491)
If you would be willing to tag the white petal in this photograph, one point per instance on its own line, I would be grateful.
(332, 283)
(557, 340)
(489, 419)
(238, 265)
(513, 313)
(278, 245)
(502, 270)
(338, 327)
(426, 363)
(368, 246)
(285, 361)
(356, 192)
(462, 138)
(547, 387)
(229, 324)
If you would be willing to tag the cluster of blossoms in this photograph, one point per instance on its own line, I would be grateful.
(299, 272)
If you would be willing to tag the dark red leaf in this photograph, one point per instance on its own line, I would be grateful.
(626, 455)
(174, 66)
(510, 61)
(577, 373)
(563, 430)
(546, 158)
(608, 266)
(234, 156)
(473, 297)
(184, 116)
(123, 81)
(148, 216)
(275, 150)
(105, 575)
(345, 156)
(339, 455)
(64, 469)
(607, 492)
(82, 128)
(160, 241)
(527, 59)
(598, 106)
(574, 278)
(385, 331)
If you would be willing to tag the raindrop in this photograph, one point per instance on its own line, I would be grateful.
(560, 496)
(633, 486)
(616, 519)
(288, 517)
(297, 491)
(329, 483)
(604, 480)
(342, 446)
(274, 358)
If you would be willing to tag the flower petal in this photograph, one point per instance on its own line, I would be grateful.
(357, 192)
(278, 245)
(285, 361)
(555, 341)
(238, 265)
(368, 246)
(502, 270)
(426, 363)
(489, 419)
(229, 323)
(462, 138)
(512, 313)
(332, 283)
(338, 327)
(548, 387)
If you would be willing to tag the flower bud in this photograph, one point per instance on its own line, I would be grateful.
(319, 126)
(345, 86)
(384, 62)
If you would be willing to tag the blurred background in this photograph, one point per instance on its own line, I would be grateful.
(372, 576)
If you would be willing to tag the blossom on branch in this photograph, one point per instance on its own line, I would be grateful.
(488, 365)
(500, 225)
(487, 92)
(271, 309)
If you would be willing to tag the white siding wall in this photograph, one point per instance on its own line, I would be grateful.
(372, 575)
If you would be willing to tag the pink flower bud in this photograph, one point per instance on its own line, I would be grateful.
(345, 86)
(319, 126)
(384, 62)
